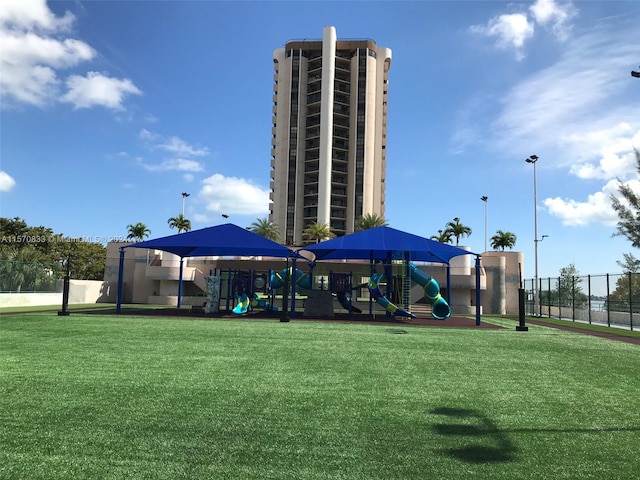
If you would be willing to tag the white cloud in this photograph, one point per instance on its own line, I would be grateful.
(576, 106)
(231, 195)
(98, 90)
(511, 31)
(617, 159)
(179, 164)
(596, 209)
(173, 144)
(32, 52)
(6, 181)
(548, 12)
(33, 14)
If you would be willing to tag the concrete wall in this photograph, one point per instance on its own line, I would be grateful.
(513, 268)
(80, 292)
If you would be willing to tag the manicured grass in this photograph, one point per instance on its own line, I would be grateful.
(106, 397)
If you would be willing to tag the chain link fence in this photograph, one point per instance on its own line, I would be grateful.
(27, 277)
(611, 300)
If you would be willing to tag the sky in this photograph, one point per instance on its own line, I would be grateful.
(110, 110)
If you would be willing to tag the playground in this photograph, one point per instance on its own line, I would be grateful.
(320, 295)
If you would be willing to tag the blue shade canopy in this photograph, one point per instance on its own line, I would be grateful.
(385, 243)
(222, 240)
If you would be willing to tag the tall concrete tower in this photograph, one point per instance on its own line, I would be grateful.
(329, 134)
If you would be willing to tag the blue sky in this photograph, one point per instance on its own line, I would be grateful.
(111, 109)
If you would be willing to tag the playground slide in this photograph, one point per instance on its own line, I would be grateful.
(440, 307)
(378, 296)
(258, 302)
(303, 280)
(242, 306)
(345, 301)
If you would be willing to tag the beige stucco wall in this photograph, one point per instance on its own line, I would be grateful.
(80, 292)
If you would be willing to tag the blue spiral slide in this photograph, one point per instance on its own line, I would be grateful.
(440, 308)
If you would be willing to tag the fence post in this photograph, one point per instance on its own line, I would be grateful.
(589, 297)
(549, 297)
(630, 304)
(573, 298)
(608, 303)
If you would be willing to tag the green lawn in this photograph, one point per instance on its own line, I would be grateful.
(108, 397)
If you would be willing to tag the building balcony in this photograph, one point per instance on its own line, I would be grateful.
(170, 272)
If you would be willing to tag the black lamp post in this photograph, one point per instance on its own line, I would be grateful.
(533, 159)
(65, 289)
(485, 199)
(184, 195)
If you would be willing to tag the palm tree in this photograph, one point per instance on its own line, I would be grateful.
(444, 236)
(265, 228)
(137, 232)
(180, 222)
(318, 232)
(370, 220)
(458, 230)
(502, 240)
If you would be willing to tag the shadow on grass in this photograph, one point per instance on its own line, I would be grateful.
(483, 441)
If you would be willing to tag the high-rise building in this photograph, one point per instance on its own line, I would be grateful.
(329, 134)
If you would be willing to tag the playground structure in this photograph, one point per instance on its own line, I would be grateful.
(440, 307)
(253, 291)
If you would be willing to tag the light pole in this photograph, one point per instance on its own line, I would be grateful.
(184, 195)
(485, 199)
(533, 159)
(635, 74)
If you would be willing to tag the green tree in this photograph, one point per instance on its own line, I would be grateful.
(265, 228)
(41, 251)
(628, 209)
(626, 296)
(444, 236)
(458, 230)
(180, 222)
(502, 240)
(569, 292)
(318, 231)
(137, 232)
(370, 220)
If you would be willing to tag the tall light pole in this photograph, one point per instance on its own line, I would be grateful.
(184, 195)
(536, 294)
(485, 199)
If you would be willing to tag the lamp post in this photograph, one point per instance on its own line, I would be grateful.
(533, 159)
(184, 195)
(635, 74)
(485, 199)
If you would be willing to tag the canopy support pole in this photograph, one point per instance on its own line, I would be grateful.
(120, 280)
(478, 293)
(180, 284)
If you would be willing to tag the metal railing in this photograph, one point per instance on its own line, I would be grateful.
(612, 299)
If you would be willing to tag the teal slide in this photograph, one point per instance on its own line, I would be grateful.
(242, 306)
(440, 308)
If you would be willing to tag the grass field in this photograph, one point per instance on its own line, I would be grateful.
(112, 397)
